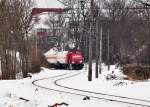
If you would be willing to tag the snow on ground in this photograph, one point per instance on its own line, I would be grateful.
(12, 92)
(118, 87)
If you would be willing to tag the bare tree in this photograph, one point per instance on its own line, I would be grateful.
(57, 26)
(14, 34)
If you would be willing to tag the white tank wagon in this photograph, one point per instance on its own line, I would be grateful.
(51, 56)
(61, 57)
(65, 59)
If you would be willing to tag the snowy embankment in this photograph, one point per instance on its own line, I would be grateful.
(22, 93)
(12, 91)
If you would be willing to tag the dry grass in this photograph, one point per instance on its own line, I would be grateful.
(136, 71)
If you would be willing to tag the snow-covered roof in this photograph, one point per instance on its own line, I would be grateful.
(41, 25)
(48, 4)
(51, 52)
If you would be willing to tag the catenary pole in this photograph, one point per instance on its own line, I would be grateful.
(101, 47)
(97, 49)
(90, 45)
(108, 54)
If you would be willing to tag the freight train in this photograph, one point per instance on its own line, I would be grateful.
(72, 60)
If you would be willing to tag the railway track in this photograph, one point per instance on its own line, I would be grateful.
(96, 95)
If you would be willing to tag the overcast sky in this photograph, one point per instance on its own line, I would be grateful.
(48, 4)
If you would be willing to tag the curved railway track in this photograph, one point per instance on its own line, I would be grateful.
(96, 95)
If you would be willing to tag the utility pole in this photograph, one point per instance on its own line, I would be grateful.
(101, 49)
(36, 46)
(98, 44)
(97, 48)
(90, 45)
(90, 55)
(108, 54)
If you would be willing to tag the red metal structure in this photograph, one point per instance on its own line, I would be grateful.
(36, 11)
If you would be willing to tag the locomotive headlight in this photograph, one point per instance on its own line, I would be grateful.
(80, 61)
(73, 62)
